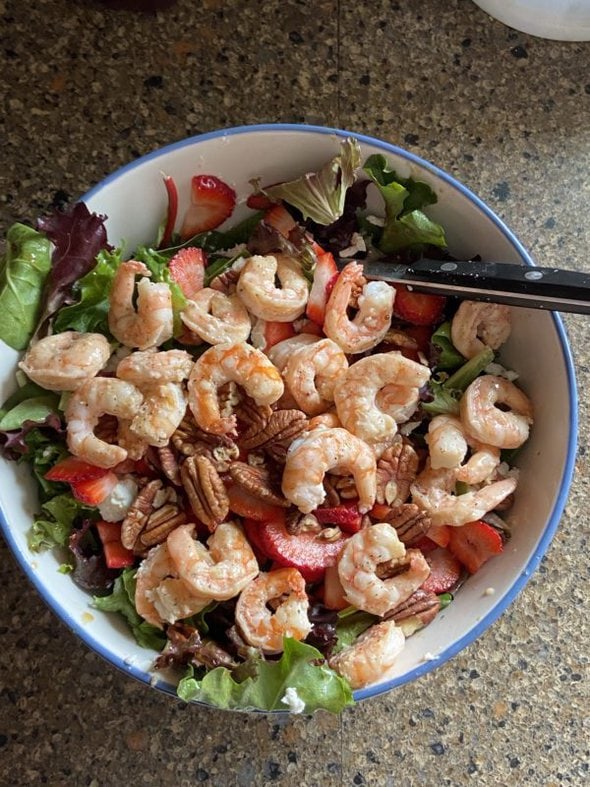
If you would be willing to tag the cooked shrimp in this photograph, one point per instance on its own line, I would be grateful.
(220, 572)
(448, 443)
(135, 446)
(223, 363)
(433, 491)
(263, 628)
(310, 457)
(280, 352)
(160, 596)
(311, 374)
(257, 288)
(154, 368)
(360, 574)
(328, 420)
(217, 317)
(64, 361)
(371, 655)
(161, 412)
(94, 398)
(477, 325)
(151, 324)
(373, 318)
(486, 422)
(356, 394)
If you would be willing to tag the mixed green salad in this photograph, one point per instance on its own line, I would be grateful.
(110, 523)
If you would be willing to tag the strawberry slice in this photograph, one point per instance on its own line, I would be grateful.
(71, 469)
(116, 556)
(212, 202)
(306, 552)
(93, 491)
(445, 571)
(259, 201)
(440, 534)
(279, 218)
(309, 326)
(187, 269)
(324, 279)
(244, 504)
(475, 543)
(108, 531)
(424, 544)
(172, 193)
(266, 333)
(346, 516)
(417, 307)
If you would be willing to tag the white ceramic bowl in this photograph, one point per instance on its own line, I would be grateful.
(134, 200)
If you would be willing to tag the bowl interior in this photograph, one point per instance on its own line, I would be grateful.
(134, 201)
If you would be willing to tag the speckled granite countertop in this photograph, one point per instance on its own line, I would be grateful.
(85, 90)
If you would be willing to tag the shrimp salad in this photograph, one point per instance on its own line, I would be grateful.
(274, 469)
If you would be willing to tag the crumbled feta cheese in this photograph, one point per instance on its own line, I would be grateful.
(500, 371)
(489, 591)
(505, 471)
(357, 244)
(115, 506)
(293, 701)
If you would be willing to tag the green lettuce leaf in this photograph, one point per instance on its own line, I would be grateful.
(29, 390)
(122, 600)
(90, 312)
(219, 240)
(320, 195)
(37, 408)
(53, 527)
(23, 271)
(44, 452)
(350, 626)
(405, 223)
(447, 391)
(449, 357)
(301, 667)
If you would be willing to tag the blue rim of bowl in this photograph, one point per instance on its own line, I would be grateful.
(381, 688)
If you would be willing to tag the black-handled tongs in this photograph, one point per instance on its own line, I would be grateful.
(497, 282)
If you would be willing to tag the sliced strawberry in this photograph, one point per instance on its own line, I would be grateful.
(266, 333)
(306, 552)
(172, 193)
(72, 469)
(346, 516)
(324, 279)
(187, 269)
(117, 556)
(440, 534)
(94, 491)
(279, 218)
(259, 201)
(421, 335)
(474, 543)
(425, 545)
(212, 202)
(309, 326)
(108, 531)
(445, 571)
(417, 307)
(333, 591)
(244, 504)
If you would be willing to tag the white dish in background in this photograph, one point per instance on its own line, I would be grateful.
(134, 200)
(560, 20)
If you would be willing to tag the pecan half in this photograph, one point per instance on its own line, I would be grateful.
(205, 490)
(258, 481)
(254, 417)
(396, 471)
(169, 463)
(422, 604)
(282, 427)
(190, 440)
(152, 516)
(410, 521)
